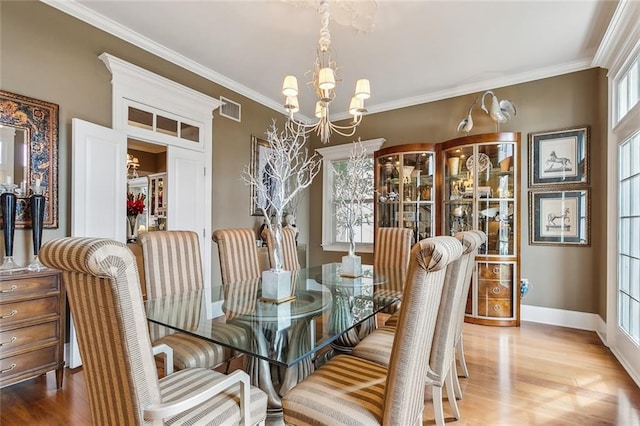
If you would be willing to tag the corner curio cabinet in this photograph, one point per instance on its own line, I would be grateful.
(405, 192)
(480, 190)
(466, 183)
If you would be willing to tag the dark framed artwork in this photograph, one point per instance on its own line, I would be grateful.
(559, 217)
(559, 157)
(260, 151)
(29, 153)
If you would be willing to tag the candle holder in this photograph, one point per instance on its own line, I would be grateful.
(37, 219)
(8, 207)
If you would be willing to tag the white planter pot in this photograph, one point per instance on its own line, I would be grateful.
(276, 286)
(351, 266)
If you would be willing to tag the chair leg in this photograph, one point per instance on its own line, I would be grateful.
(448, 383)
(438, 412)
(463, 362)
(456, 383)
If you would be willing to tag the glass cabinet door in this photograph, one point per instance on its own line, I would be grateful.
(405, 191)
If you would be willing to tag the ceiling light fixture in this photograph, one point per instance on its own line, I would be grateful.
(324, 82)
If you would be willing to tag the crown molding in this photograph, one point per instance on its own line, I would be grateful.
(621, 38)
(88, 16)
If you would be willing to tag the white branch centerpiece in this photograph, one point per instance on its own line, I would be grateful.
(288, 169)
(353, 185)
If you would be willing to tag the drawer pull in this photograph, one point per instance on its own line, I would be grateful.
(11, 314)
(495, 290)
(11, 367)
(13, 339)
(10, 289)
(496, 308)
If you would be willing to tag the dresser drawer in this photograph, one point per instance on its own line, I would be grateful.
(23, 338)
(25, 364)
(29, 310)
(490, 307)
(494, 289)
(495, 271)
(28, 286)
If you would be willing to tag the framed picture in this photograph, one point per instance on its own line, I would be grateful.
(559, 217)
(559, 157)
(260, 152)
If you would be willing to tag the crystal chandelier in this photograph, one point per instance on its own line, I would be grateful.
(324, 82)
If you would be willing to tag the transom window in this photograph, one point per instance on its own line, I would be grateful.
(628, 90)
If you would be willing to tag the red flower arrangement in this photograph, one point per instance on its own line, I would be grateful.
(135, 204)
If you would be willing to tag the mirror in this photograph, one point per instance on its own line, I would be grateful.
(29, 153)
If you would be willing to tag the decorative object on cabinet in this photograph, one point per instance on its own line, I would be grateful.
(559, 217)
(404, 179)
(157, 218)
(135, 207)
(324, 82)
(485, 196)
(8, 208)
(37, 219)
(500, 112)
(32, 309)
(32, 124)
(559, 157)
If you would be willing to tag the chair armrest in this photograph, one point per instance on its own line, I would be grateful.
(167, 350)
(162, 411)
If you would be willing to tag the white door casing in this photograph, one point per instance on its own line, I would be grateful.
(98, 193)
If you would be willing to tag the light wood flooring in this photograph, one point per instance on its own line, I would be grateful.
(531, 375)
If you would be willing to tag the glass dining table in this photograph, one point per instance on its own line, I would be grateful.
(283, 338)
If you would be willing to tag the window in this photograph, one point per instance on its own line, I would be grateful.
(334, 235)
(628, 241)
(628, 89)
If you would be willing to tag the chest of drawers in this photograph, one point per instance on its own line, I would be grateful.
(32, 311)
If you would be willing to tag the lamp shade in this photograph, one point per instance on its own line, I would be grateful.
(291, 104)
(356, 106)
(326, 79)
(290, 86)
(363, 90)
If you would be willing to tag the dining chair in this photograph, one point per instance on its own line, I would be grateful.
(172, 265)
(441, 372)
(105, 299)
(391, 254)
(352, 390)
(238, 254)
(289, 248)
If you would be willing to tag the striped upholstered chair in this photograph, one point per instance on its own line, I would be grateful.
(172, 265)
(289, 249)
(391, 255)
(238, 254)
(352, 390)
(104, 295)
(441, 372)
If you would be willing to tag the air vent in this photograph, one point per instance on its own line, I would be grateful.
(230, 109)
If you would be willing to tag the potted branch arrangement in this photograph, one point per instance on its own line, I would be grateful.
(352, 186)
(288, 170)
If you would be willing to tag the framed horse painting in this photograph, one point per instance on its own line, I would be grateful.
(559, 217)
(559, 157)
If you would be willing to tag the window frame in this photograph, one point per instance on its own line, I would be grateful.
(329, 155)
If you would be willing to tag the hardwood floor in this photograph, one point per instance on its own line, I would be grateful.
(532, 375)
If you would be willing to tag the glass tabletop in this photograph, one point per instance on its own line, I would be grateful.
(324, 305)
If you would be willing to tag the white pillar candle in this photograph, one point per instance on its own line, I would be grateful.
(8, 180)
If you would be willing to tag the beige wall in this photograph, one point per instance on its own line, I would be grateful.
(54, 57)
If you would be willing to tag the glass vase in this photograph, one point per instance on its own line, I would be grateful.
(8, 206)
(37, 220)
(132, 228)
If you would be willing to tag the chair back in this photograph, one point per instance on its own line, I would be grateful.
(471, 241)
(289, 248)
(453, 297)
(172, 265)
(238, 254)
(103, 289)
(404, 392)
(392, 247)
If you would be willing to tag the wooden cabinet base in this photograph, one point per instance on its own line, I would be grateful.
(32, 310)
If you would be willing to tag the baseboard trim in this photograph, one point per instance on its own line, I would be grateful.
(562, 318)
(635, 375)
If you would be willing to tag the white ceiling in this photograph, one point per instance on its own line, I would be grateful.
(418, 51)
